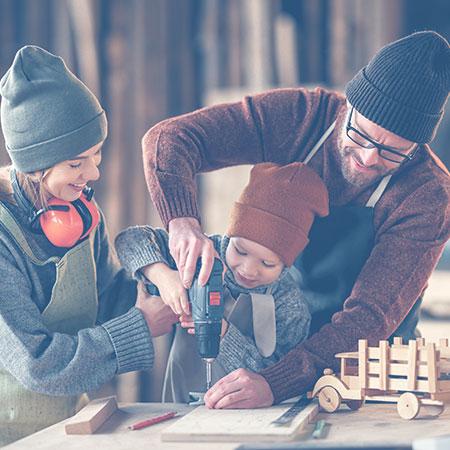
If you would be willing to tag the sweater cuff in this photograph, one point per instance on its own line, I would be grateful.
(287, 378)
(131, 340)
(139, 258)
(181, 203)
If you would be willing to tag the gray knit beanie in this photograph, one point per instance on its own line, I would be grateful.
(405, 86)
(47, 114)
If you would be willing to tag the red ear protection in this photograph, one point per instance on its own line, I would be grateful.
(66, 223)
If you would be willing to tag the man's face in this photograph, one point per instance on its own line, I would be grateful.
(362, 165)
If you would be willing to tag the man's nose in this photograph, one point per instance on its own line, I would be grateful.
(369, 156)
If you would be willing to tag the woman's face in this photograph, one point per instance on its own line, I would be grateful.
(67, 179)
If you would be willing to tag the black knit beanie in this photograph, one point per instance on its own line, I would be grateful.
(405, 86)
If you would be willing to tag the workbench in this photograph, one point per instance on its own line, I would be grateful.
(372, 424)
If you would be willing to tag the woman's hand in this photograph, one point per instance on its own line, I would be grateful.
(159, 317)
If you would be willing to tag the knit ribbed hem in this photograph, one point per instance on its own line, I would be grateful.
(231, 346)
(131, 340)
(280, 384)
(61, 148)
(385, 111)
(143, 253)
(293, 375)
(269, 230)
(177, 201)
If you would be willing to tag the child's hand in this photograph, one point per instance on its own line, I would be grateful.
(187, 322)
(170, 287)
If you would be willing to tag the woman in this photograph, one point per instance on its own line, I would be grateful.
(68, 322)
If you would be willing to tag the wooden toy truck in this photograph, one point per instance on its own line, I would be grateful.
(410, 375)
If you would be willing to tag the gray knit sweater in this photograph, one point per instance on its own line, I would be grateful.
(140, 246)
(56, 363)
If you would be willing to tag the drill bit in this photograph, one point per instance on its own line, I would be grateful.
(208, 362)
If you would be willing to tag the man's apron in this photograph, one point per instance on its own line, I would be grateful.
(339, 246)
(253, 314)
(72, 307)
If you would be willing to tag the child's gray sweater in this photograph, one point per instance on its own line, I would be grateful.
(56, 363)
(138, 247)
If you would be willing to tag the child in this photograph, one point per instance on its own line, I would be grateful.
(266, 315)
(59, 279)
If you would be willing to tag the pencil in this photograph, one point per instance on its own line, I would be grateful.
(152, 421)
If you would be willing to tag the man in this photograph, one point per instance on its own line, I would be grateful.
(368, 262)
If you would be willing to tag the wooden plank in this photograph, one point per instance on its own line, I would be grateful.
(420, 342)
(362, 362)
(384, 363)
(397, 369)
(412, 365)
(237, 425)
(398, 341)
(397, 384)
(92, 416)
(432, 367)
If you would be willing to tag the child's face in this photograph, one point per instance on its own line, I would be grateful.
(252, 264)
(67, 179)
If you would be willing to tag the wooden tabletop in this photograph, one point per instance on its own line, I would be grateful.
(372, 424)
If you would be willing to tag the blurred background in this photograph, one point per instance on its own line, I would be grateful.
(147, 60)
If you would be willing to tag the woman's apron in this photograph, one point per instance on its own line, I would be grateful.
(253, 314)
(339, 246)
(72, 307)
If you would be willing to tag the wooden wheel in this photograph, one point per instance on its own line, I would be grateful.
(329, 399)
(354, 405)
(408, 406)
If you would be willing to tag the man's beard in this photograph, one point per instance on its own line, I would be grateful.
(356, 178)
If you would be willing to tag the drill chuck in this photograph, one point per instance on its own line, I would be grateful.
(208, 338)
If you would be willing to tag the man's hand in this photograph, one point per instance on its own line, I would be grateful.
(187, 243)
(240, 389)
(159, 317)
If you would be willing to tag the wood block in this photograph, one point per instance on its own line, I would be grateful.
(237, 425)
(92, 416)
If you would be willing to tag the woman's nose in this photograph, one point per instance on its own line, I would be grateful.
(92, 172)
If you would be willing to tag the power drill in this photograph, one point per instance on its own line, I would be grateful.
(207, 309)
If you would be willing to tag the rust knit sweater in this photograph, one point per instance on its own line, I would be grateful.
(411, 220)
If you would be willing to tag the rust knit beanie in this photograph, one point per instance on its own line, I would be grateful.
(278, 206)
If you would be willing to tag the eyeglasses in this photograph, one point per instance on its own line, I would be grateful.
(391, 154)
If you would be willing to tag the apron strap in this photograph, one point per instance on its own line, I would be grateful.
(378, 192)
(376, 195)
(15, 231)
(253, 315)
(264, 323)
(319, 143)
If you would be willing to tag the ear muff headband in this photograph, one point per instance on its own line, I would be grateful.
(63, 223)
